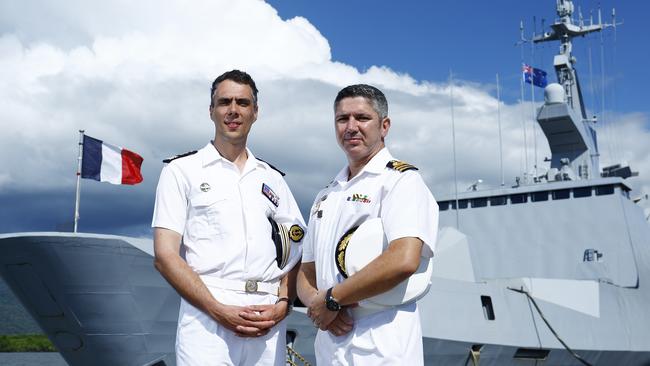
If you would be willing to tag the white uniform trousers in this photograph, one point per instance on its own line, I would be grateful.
(201, 341)
(390, 337)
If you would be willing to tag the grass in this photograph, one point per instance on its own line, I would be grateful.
(26, 343)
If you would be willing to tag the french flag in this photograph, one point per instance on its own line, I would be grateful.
(109, 163)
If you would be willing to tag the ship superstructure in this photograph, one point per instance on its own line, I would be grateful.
(554, 268)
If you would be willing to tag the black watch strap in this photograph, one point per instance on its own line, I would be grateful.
(330, 302)
(289, 305)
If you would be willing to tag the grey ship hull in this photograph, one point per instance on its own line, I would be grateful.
(97, 297)
(101, 302)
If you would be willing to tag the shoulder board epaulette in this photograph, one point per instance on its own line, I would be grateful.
(169, 160)
(272, 167)
(400, 166)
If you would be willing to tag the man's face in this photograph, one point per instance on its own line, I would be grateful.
(233, 111)
(359, 131)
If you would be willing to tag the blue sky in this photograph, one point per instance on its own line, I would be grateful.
(476, 39)
(137, 75)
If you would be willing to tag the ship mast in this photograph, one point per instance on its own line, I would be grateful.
(563, 117)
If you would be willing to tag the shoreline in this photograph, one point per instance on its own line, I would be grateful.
(10, 343)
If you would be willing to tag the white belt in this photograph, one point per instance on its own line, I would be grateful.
(250, 286)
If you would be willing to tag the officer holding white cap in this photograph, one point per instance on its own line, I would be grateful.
(367, 315)
(227, 236)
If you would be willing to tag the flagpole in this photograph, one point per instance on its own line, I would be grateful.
(500, 139)
(79, 158)
(532, 97)
(523, 123)
(521, 86)
(453, 143)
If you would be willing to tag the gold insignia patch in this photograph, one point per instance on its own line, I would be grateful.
(400, 166)
(339, 254)
(296, 233)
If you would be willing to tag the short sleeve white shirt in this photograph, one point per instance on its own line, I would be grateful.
(401, 199)
(407, 209)
(222, 214)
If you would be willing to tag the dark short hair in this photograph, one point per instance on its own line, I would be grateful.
(374, 96)
(240, 77)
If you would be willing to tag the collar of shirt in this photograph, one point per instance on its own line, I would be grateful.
(376, 165)
(210, 154)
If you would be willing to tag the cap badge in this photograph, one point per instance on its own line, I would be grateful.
(296, 233)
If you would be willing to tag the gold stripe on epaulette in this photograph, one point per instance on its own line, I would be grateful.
(400, 166)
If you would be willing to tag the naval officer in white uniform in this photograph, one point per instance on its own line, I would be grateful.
(372, 185)
(214, 206)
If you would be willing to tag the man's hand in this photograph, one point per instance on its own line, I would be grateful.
(319, 313)
(260, 313)
(342, 324)
(239, 319)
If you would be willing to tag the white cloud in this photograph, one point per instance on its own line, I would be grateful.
(137, 74)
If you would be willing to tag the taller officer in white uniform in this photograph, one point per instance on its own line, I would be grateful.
(214, 206)
(373, 185)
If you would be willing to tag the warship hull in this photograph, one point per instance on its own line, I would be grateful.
(97, 297)
(101, 302)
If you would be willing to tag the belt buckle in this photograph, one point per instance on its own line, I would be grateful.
(251, 286)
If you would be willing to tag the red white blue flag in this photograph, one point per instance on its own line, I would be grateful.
(109, 163)
(534, 76)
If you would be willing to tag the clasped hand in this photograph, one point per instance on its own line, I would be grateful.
(337, 322)
(252, 320)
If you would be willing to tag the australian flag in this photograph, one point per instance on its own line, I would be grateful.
(534, 76)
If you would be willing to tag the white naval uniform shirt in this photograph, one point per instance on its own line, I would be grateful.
(407, 209)
(222, 215)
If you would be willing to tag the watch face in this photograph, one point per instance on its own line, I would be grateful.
(332, 305)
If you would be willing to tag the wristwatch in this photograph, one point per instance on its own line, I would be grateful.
(289, 305)
(331, 302)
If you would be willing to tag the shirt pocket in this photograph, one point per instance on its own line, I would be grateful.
(208, 213)
(360, 211)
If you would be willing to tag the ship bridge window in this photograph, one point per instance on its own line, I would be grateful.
(539, 196)
(461, 204)
(604, 190)
(518, 198)
(561, 194)
(479, 202)
(498, 200)
(581, 192)
(443, 205)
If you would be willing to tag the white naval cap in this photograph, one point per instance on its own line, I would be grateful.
(360, 245)
(283, 233)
